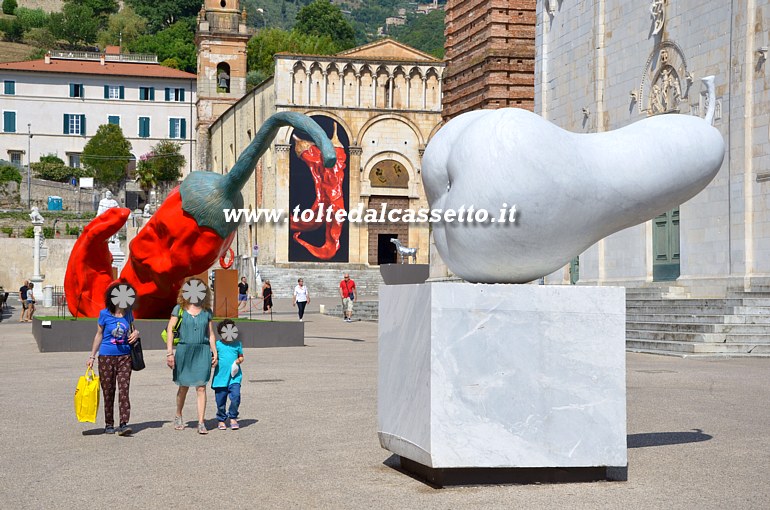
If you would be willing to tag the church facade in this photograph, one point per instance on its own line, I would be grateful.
(604, 65)
(380, 104)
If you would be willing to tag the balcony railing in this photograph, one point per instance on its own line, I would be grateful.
(93, 55)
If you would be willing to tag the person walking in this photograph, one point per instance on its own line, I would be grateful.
(228, 375)
(348, 295)
(196, 352)
(267, 297)
(30, 301)
(113, 340)
(301, 298)
(23, 290)
(243, 293)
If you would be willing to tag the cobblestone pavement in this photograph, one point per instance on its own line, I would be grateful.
(699, 436)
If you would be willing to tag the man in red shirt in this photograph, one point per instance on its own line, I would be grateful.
(348, 295)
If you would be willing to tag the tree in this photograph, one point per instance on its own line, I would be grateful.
(9, 6)
(107, 154)
(123, 28)
(101, 8)
(424, 32)
(262, 47)
(161, 14)
(52, 168)
(144, 175)
(168, 160)
(322, 18)
(76, 24)
(31, 18)
(175, 42)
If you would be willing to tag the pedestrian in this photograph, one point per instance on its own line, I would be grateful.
(196, 351)
(243, 292)
(30, 301)
(267, 297)
(23, 298)
(227, 375)
(348, 295)
(113, 340)
(301, 298)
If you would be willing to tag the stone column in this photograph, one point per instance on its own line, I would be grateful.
(324, 88)
(408, 92)
(374, 90)
(424, 92)
(37, 277)
(281, 230)
(357, 232)
(390, 92)
(291, 80)
(358, 89)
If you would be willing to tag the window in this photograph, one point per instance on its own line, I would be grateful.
(146, 94)
(9, 122)
(174, 94)
(74, 159)
(77, 90)
(223, 78)
(9, 87)
(114, 92)
(74, 124)
(177, 128)
(15, 157)
(113, 119)
(144, 127)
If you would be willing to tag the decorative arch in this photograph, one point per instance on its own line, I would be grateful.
(284, 134)
(371, 163)
(389, 116)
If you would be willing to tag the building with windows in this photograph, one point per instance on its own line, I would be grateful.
(380, 103)
(61, 101)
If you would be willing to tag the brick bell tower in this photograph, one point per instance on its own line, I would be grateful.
(221, 39)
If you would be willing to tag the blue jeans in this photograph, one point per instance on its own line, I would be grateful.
(221, 394)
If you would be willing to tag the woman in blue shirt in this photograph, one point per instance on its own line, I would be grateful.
(113, 339)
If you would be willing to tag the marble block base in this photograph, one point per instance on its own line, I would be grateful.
(502, 376)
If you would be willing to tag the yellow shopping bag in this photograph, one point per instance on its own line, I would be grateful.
(87, 396)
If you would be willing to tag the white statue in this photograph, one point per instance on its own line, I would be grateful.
(35, 216)
(570, 189)
(107, 203)
(147, 211)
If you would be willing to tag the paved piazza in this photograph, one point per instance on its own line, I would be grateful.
(699, 436)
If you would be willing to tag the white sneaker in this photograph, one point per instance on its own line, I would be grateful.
(301, 320)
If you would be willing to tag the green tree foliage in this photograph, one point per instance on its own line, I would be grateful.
(52, 168)
(101, 8)
(107, 154)
(321, 18)
(125, 26)
(31, 18)
(424, 32)
(12, 29)
(263, 46)
(163, 164)
(9, 6)
(161, 14)
(9, 173)
(76, 24)
(176, 42)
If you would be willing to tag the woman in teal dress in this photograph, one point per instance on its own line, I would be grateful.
(196, 352)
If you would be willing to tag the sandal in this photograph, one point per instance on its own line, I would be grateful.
(202, 428)
(178, 423)
(221, 426)
(234, 424)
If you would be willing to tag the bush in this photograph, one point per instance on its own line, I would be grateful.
(9, 6)
(29, 233)
(57, 171)
(31, 18)
(9, 173)
(12, 30)
(7, 230)
(42, 38)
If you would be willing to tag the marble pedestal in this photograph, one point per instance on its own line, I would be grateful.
(505, 377)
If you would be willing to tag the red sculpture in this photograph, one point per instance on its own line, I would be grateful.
(328, 191)
(185, 236)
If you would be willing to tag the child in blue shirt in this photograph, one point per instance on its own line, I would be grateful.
(227, 375)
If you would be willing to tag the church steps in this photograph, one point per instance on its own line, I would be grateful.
(684, 327)
(686, 348)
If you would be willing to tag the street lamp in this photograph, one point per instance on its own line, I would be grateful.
(264, 17)
(29, 166)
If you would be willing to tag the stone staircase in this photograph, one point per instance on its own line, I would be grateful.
(362, 310)
(321, 282)
(665, 321)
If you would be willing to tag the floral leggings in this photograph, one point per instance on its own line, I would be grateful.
(115, 370)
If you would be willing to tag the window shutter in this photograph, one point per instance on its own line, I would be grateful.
(82, 90)
(184, 129)
(168, 94)
(152, 93)
(171, 128)
(10, 87)
(106, 92)
(72, 90)
(122, 92)
(66, 124)
(83, 125)
(181, 94)
(9, 122)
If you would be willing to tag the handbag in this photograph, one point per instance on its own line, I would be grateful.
(175, 331)
(87, 397)
(137, 356)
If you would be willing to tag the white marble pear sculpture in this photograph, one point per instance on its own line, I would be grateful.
(570, 190)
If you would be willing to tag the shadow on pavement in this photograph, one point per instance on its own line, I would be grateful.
(135, 427)
(335, 338)
(666, 438)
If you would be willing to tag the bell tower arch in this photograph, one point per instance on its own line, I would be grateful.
(220, 38)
